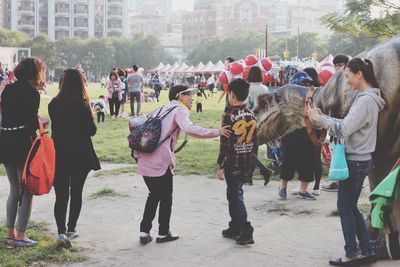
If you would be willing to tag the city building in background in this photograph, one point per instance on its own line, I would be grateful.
(226, 17)
(68, 18)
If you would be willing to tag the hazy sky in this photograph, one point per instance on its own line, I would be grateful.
(183, 4)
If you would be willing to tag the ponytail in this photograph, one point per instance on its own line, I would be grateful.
(367, 69)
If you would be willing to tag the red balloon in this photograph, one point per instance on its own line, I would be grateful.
(325, 75)
(251, 60)
(225, 77)
(235, 68)
(266, 64)
(267, 77)
(246, 71)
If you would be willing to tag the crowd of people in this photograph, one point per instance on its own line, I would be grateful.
(73, 126)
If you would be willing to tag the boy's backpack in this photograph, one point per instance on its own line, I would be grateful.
(146, 138)
(99, 104)
(40, 165)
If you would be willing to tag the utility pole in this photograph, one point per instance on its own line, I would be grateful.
(298, 33)
(266, 40)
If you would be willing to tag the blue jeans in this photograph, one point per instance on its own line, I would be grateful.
(237, 209)
(352, 221)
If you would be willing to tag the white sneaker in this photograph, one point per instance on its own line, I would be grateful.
(296, 191)
(316, 192)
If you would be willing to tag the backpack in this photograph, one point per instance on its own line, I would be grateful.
(146, 138)
(98, 104)
(40, 165)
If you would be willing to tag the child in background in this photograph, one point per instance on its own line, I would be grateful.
(100, 108)
(235, 158)
(199, 102)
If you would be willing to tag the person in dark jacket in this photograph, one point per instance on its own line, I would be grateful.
(20, 103)
(72, 127)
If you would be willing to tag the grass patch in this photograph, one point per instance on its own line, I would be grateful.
(279, 207)
(45, 252)
(2, 170)
(306, 212)
(115, 172)
(363, 208)
(106, 193)
(334, 213)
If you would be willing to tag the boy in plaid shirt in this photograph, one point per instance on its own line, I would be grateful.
(235, 158)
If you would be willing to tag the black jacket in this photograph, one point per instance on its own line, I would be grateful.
(72, 127)
(20, 104)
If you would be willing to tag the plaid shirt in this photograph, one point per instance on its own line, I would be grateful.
(235, 151)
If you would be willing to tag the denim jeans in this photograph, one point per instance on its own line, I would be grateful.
(352, 221)
(135, 96)
(237, 209)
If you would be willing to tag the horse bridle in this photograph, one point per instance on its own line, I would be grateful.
(308, 100)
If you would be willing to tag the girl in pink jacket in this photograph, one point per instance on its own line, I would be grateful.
(114, 94)
(157, 167)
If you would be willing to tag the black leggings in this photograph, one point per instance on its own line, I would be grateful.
(160, 192)
(114, 102)
(68, 183)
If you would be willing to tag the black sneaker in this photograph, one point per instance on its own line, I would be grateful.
(267, 176)
(169, 237)
(245, 240)
(231, 233)
(331, 187)
(145, 239)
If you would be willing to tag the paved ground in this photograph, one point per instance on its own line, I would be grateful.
(287, 233)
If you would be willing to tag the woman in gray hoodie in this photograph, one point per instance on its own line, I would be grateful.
(359, 130)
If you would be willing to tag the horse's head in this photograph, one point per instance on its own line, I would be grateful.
(280, 112)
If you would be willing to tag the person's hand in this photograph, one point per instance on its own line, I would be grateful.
(225, 131)
(313, 113)
(45, 122)
(220, 174)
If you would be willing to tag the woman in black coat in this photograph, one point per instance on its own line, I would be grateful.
(72, 127)
(20, 103)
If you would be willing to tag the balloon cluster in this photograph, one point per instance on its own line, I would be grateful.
(326, 72)
(241, 69)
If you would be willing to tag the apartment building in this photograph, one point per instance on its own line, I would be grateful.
(68, 18)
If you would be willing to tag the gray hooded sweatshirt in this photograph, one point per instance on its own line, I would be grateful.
(359, 127)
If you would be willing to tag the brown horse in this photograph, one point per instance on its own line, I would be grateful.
(281, 112)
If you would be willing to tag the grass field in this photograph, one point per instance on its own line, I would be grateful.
(45, 251)
(111, 145)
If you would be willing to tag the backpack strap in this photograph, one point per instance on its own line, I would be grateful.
(176, 128)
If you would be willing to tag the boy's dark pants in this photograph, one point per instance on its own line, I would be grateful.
(199, 107)
(237, 209)
(100, 116)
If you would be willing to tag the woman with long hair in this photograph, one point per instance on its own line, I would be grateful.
(359, 131)
(72, 127)
(20, 104)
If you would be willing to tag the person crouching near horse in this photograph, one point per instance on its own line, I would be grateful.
(235, 159)
(359, 130)
(72, 127)
(158, 174)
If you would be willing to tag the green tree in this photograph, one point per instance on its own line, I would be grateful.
(10, 38)
(42, 47)
(308, 41)
(373, 19)
(237, 46)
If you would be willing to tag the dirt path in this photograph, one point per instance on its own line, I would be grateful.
(287, 233)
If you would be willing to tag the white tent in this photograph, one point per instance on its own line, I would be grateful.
(218, 67)
(208, 67)
(182, 68)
